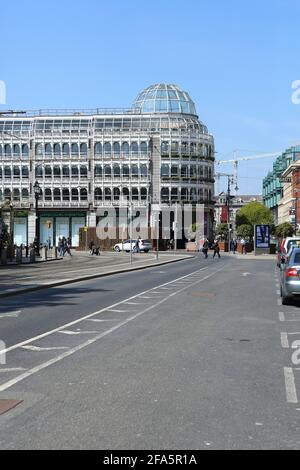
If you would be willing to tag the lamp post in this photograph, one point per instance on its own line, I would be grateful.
(37, 194)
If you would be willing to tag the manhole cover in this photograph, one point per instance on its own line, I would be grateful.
(7, 405)
(209, 295)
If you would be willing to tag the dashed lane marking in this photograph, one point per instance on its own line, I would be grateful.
(38, 349)
(284, 340)
(291, 393)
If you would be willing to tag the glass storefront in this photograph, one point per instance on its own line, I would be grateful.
(20, 231)
(46, 229)
(77, 223)
(62, 228)
(56, 225)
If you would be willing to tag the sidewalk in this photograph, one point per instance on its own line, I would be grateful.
(16, 279)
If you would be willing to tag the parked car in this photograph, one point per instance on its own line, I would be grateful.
(285, 246)
(128, 245)
(290, 276)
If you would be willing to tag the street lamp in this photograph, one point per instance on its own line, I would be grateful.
(37, 193)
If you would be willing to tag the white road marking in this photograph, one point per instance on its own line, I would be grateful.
(277, 286)
(91, 315)
(291, 393)
(11, 314)
(96, 320)
(246, 274)
(38, 349)
(68, 332)
(13, 369)
(70, 352)
(284, 340)
(134, 303)
(279, 302)
(278, 292)
(281, 316)
(119, 311)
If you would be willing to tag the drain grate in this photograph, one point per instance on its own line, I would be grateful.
(7, 405)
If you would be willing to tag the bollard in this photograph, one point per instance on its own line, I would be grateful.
(44, 253)
(19, 255)
(32, 255)
(3, 258)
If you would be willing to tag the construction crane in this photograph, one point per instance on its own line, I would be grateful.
(236, 161)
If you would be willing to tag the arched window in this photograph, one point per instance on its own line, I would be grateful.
(184, 194)
(39, 171)
(175, 148)
(7, 172)
(25, 150)
(144, 148)
(117, 148)
(144, 194)
(193, 194)
(116, 194)
(184, 171)
(7, 150)
(16, 149)
(107, 148)
(107, 194)
(16, 195)
(65, 194)
(83, 172)
(165, 171)
(39, 149)
(66, 150)
(56, 194)
(75, 150)
(117, 171)
(174, 194)
(174, 171)
(48, 150)
(83, 194)
(25, 194)
(193, 171)
(98, 148)
(75, 195)
(66, 171)
(74, 172)
(98, 194)
(185, 149)
(125, 171)
(201, 194)
(48, 194)
(83, 150)
(144, 171)
(56, 150)
(1, 195)
(56, 172)
(134, 171)
(134, 148)
(107, 171)
(135, 194)
(0, 172)
(193, 148)
(165, 147)
(125, 148)
(98, 171)
(1, 152)
(125, 193)
(16, 172)
(7, 194)
(48, 171)
(25, 172)
(165, 194)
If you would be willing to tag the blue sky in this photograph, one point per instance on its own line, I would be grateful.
(236, 59)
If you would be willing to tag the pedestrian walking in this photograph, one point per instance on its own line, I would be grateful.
(68, 245)
(243, 243)
(205, 248)
(91, 247)
(60, 247)
(216, 249)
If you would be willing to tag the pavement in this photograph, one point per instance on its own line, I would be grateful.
(16, 279)
(193, 355)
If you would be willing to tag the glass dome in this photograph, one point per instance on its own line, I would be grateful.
(164, 98)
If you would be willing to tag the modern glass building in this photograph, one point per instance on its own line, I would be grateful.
(157, 151)
(272, 184)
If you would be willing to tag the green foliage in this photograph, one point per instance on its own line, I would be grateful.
(4, 235)
(284, 230)
(254, 213)
(222, 230)
(245, 231)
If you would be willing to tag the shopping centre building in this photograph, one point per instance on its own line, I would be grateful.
(157, 152)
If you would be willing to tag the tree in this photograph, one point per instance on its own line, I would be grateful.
(222, 230)
(245, 231)
(284, 230)
(254, 213)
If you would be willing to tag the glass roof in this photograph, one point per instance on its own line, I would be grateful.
(164, 98)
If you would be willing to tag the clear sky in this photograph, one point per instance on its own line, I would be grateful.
(237, 60)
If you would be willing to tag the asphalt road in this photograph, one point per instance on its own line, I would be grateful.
(194, 355)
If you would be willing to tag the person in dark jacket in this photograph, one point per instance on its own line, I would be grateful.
(216, 248)
(205, 248)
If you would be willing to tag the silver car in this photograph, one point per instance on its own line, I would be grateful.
(290, 276)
